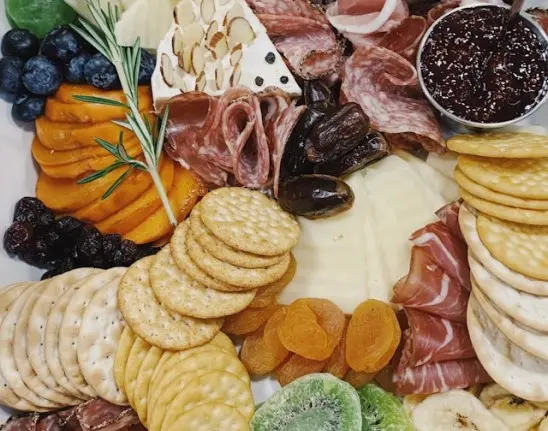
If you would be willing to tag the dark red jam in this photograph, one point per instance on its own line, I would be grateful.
(477, 78)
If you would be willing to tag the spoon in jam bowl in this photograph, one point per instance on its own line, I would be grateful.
(517, 5)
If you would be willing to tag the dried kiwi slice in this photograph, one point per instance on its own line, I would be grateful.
(382, 411)
(316, 402)
(39, 16)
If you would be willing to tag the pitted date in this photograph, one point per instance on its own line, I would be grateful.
(337, 134)
(317, 91)
(315, 196)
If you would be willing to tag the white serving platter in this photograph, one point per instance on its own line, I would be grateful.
(18, 178)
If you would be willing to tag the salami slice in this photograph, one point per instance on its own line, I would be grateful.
(21, 423)
(101, 415)
(405, 38)
(434, 339)
(287, 8)
(273, 102)
(386, 86)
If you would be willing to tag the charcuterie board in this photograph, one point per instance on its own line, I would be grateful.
(236, 284)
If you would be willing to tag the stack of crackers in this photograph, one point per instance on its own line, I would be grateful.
(58, 339)
(205, 387)
(235, 246)
(504, 184)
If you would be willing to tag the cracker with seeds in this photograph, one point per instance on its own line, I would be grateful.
(154, 323)
(249, 221)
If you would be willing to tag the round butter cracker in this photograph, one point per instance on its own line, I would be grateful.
(224, 252)
(181, 294)
(501, 144)
(137, 355)
(122, 353)
(154, 323)
(208, 417)
(142, 383)
(249, 221)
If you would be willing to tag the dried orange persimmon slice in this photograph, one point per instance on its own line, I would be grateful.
(248, 320)
(336, 364)
(258, 356)
(372, 337)
(301, 333)
(330, 317)
(358, 379)
(297, 366)
(271, 337)
(269, 293)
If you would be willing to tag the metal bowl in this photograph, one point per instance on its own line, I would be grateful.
(456, 123)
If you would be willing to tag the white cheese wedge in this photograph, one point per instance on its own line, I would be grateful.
(82, 9)
(214, 45)
(438, 183)
(148, 20)
(127, 3)
(331, 256)
(445, 164)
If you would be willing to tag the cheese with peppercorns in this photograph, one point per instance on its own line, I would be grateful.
(214, 45)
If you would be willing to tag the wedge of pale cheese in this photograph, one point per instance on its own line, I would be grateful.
(214, 45)
(445, 164)
(81, 7)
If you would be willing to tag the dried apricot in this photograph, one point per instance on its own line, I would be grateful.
(372, 337)
(330, 317)
(297, 366)
(301, 333)
(358, 379)
(248, 320)
(271, 337)
(336, 364)
(269, 293)
(258, 356)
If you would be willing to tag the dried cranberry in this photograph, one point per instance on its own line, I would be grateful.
(46, 219)
(111, 244)
(28, 210)
(127, 253)
(98, 261)
(88, 245)
(18, 238)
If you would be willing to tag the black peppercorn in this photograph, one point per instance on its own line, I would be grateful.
(270, 58)
(284, 79)
(259, 81)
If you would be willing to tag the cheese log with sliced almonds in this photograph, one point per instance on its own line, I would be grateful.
(214, 45)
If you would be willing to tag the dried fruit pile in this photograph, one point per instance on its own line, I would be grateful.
(313, 335)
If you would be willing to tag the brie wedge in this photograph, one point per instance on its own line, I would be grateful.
(82, 9)
(213, 45)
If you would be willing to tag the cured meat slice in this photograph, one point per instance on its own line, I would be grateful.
(244, 134)
(101, 415)
(434, 339)
(51, 422)
(386, 86)
(449, 215)
(68, 419)
(287, 8)
(448, 251)
(21, 423)
(273, 102)
(438, 11)
(405, 38)
(282, 132)
(296, 25)
(429, 288)
(438, 376)
(541, 15)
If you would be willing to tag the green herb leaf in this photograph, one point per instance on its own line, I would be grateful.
(116, 183)
(100, 101)
(107, 146)
(99, 174)
(162, 134)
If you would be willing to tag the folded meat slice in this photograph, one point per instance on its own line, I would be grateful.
(273, 102)
(386, 86)
(448, 251)
(429, 288)
(438, 376)
(435, 339)
(301, 8)
(51, 422)
(406, 37)
(541, 15)
(101, 415)
(191, 117)
(449, 215)
(245, 137)
(22, 423)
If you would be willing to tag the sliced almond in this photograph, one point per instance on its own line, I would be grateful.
(197, 60)
(219, 76)
(184, 13)
(236, 54)
(180, 81)
(236, 75)
(211, 30)
(219, 45)
(185, 61)
(235, 11)
(240, 31)
(167, 70)
(192, 34)
(207, 10)
(200, 82)
(178, 43)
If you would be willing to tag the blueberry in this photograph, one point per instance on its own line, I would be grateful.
(101, 73)
(41, 76)
(28, 107)
(61, 45)
(74, 69)
(148, 64)
(20, 43)
(11, 71)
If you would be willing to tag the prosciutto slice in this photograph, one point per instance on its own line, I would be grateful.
(386, 87)
(449, 215)
(438, 376)
(434, 339)
(405, 38)
(302, 35)
(429, 288)
(448, 251)
(541, 15)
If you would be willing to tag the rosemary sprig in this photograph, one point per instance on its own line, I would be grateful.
(127, 61)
